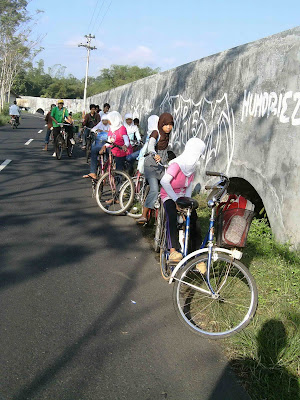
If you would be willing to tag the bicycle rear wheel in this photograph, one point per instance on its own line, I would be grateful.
(59, 145)
(160, 222)
(215, 316)
(141, 190)
(108, 191)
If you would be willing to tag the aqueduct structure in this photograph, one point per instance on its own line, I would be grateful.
(245, 104)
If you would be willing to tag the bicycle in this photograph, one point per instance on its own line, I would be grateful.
(90, 137)
(14, 121)
(109, 192)
(214, 294)
(141, 190)
(62, 143)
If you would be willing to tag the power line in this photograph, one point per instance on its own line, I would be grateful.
(100, 8)
(93, 15)
(104, 16)
(89, 48)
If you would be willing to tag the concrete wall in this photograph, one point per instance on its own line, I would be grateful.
(245, 104)
(40, 103)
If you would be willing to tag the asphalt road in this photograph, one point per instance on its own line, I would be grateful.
(84, 311)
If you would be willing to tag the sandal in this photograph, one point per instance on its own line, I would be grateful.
(89, 176)
(142, 220)
(175, 256)
(112, 201)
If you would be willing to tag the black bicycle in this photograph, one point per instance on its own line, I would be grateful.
(62, 143)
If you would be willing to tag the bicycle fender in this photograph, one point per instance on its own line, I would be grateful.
(232, 253)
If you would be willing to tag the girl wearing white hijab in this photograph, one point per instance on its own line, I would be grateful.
(118, 135)
(177, 182)
(152, 126)
(132, 130)
(102, 126)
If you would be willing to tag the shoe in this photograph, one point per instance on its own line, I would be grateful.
(72, 141)
(141, 220)
(54, 154)
(175, 256)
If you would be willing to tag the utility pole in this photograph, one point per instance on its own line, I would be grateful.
(88, 37)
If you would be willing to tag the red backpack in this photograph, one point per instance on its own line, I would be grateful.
(233, 221)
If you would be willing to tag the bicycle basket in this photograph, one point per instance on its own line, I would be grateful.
(233, 226)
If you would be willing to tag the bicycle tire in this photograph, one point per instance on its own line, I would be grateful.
(159, 226)
(226, 314)
(59, 143)
(88, 150)
(108, 188)
(165, 268)
(135, 210)
(70, 150)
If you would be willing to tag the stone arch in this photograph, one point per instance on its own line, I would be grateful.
(242, 187)
(40, 111)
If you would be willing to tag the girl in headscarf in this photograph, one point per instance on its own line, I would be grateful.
(157, 148)
(132, 130)
(102, 129)
(152, 126)
(134, 137)
(177, 182)
(118, 135)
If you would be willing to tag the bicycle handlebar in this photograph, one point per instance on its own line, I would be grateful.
(211, 173)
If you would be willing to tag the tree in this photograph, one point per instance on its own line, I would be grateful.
(117, 75)
(15, 44)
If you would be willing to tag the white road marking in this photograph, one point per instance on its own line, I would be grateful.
(4, 164)
(40, 131)
(28, 142)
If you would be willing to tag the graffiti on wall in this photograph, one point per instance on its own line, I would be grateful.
(211, 121)
(285, 107)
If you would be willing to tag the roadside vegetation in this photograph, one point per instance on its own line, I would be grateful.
(34, 80)
(4, 115)
(266, 355)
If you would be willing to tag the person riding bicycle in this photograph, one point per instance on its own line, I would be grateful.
(102, 130)
(90, 120)
(14, 112)
(157, 149)
(48, 120)
(60, 115)
(176, 183)
(118, 135)
(135, 140)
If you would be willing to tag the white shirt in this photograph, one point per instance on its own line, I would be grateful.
(101, 113)
(14, 110)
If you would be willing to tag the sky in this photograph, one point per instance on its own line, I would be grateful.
(154, 33)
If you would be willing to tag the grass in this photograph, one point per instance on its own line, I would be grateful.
(265, 356)
(4, 116)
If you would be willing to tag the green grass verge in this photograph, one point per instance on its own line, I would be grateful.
(265, 356)
(4, 116)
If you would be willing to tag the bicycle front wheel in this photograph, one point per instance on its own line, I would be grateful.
(108, 191)
(228, 310)
(141, 191)
(70, 150)
(160, 222)
(59, 145)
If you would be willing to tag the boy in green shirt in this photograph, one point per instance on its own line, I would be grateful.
(60, 115)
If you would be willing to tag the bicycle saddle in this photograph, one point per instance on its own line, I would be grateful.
(187, 202)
